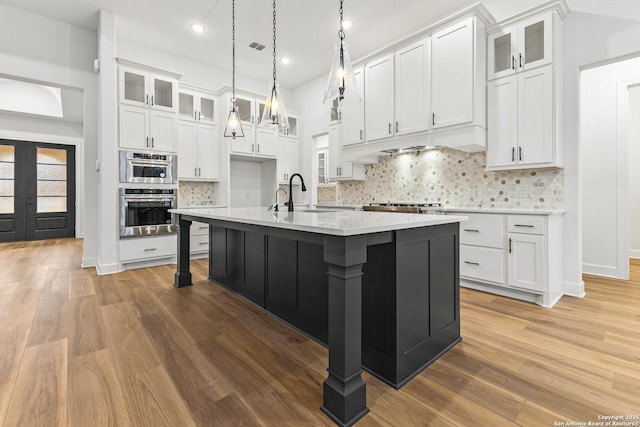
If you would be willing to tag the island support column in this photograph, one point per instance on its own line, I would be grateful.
(183, 272)
(344, 392)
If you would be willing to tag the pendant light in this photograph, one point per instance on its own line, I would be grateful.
(274, 113)
(341, 88)
(233, 128)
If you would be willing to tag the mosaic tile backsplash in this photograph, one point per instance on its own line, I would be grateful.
(327, 194)
(455, 179)
(194, 193)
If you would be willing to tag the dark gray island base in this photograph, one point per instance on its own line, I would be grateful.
(385, 301)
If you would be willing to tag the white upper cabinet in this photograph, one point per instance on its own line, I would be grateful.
(337, 169)
(412, 88)
(353, 115)
(292, 130)
(521, 47)
(258, 141)
(147, 112)
(378, 83)
(198, 153)
(523, 91)
(146, 89)
(288, 158)
(453, 75)
(197, 106)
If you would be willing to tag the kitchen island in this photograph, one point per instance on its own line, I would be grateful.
(381, 290)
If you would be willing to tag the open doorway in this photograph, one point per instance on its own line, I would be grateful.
(609, 107)
(37, 191)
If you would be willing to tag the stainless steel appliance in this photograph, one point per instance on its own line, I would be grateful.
(148, 168)
(145, 211)
(399, 207)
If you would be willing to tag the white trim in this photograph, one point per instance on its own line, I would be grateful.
(600, 270)
(634, 253)
(89, 262)
(103, 269)
(574, 289)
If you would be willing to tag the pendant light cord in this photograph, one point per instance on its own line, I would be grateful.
(233, 53)
(274, 42)
(341, 31)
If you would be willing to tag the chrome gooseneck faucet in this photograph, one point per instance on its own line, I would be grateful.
(275, 205)
(290, 203)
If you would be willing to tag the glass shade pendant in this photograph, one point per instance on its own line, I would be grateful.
(234, 125)
(233, 128)
(274, 113)
(341, 87)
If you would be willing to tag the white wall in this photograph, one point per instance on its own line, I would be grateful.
(252, 183)
(634, 172)
(41, 49)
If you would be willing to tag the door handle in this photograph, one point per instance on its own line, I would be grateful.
(524, 225)
(471, 230)
(433, 120)
(397, 125)
(513, 62)
(152, 143)
(199, 172)
(520, 153)
(147, 145)
(151, 100)
(389, 128)
(361, 136)
(510, 245)
(472, 263)
(520, 60)
(513, 154)
(199, 116)
(147, 100)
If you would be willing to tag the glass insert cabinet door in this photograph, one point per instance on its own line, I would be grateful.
(520, 47)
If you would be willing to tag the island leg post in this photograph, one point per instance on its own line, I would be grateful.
(344, 392)
(183, 272)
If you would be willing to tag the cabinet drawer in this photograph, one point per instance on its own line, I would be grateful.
(529, 224)
(199, 243)
(482, 263)
(199, 229)
(482, 230)
(148, 248)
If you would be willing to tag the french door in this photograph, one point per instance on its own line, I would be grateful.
(37, 191)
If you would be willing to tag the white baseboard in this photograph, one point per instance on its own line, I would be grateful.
(103, 269)
(600, 270)
(634, 253)
(574, 289)
(89, 262)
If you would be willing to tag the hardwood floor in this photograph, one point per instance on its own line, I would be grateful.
(128, 349)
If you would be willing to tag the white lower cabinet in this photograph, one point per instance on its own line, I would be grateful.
(515, 255)
(141, 249)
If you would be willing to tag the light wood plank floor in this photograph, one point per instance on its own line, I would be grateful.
(128, 349)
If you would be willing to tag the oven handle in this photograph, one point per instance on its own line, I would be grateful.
(151, 199)
(150, 162)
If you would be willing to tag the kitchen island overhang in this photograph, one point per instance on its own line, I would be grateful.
(381, 290)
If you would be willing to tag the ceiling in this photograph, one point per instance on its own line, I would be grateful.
(306, 29)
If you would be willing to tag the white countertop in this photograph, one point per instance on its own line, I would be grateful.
(338, 223)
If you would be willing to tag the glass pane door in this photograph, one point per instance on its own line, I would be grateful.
(134, 87)
(162, 93)
(51, 179)
(534, 42)
(245, 110)
(186, 105)
(7, 179)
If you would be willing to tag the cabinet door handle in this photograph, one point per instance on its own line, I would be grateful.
(361, 136)
(147, 100)
(147, 142)
(199, 115)
(389, 128)
(513, 62)
(520, 60)
(472, 263)
(397, 127)
(151, 249)
(513, 154)
(152, 143)
(470, 230)
(520, 153)
(258, 148)
(204, 227)
(433, 120)
(195, 115)
(195, 171)
(152, 100)
(510, 245)
(252, 147)
(199, 172)
(251, 119)
(524, 225)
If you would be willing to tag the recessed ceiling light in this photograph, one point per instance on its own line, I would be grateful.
(197, 28)
(285, 61)
(346, 24)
